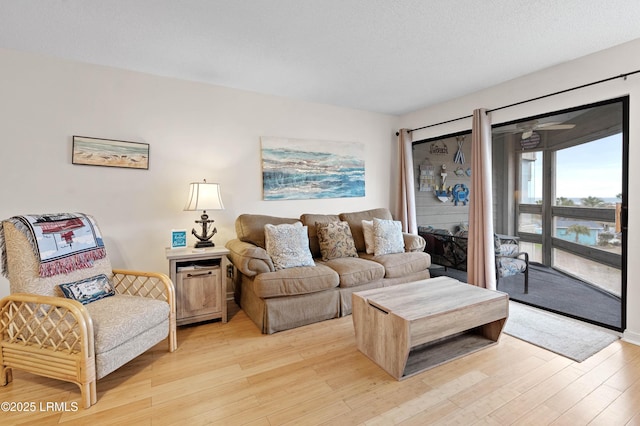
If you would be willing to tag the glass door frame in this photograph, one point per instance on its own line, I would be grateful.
(548, 210)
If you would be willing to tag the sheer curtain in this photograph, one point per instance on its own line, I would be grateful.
(481, 268)
(406, 209)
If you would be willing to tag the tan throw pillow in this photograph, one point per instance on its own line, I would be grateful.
(335, 240)
(388, 236)
(369, 238)
(288, 245)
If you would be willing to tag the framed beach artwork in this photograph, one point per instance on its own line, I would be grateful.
(110, 153)
(297, 169)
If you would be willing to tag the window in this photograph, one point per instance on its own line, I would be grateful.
(568, 174)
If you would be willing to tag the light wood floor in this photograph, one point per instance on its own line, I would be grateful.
(230, 374)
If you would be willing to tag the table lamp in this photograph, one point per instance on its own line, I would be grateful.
(204, 196)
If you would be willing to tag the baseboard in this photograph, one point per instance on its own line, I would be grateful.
(631, 337)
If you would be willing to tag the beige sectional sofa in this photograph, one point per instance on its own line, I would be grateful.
(280, 299)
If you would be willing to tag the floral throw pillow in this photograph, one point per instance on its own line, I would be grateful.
(88, 290)
(335, 240)
(288, 245)
(387, 236)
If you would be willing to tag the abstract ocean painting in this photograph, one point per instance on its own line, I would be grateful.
(297, 169)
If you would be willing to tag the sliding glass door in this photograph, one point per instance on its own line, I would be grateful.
(569, 170)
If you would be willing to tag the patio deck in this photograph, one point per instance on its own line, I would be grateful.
(554, 291)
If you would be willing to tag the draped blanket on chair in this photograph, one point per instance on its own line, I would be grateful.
(63, 242)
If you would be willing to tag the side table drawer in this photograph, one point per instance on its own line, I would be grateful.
(199, 294)
(199, 277)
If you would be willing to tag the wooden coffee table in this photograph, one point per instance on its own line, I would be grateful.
(409, 328)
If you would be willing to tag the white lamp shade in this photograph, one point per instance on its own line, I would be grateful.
(204, 196)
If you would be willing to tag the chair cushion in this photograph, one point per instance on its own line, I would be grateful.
(335, 240)
(508, 266)
(401, 264)
(354, 271)
(121, 318)
(292, 281)
(508, 249)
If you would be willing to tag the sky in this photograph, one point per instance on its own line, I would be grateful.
(592, 169)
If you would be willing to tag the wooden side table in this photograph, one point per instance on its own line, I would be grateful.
(199, 276)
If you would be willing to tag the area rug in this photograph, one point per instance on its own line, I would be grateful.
(567, 337)
(557, 292)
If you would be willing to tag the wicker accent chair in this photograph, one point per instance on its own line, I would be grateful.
(46, 334)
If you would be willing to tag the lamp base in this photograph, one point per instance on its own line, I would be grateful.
(204, 244)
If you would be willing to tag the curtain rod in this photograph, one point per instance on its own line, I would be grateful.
(593, 83)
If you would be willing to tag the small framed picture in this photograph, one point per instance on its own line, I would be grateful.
(111, 153)
(178, 238)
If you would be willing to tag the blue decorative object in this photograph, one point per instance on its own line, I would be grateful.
(178, 238)
(460, 194)
(442, 195)
(459, 157)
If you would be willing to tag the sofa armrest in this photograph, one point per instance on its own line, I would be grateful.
(248, 258)
(413, 242)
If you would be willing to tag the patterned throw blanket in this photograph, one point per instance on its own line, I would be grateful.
(63, 242)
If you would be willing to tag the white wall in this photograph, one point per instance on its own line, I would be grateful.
(195, 131)
(621, 59)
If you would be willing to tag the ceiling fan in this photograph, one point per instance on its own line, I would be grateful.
(528, 127)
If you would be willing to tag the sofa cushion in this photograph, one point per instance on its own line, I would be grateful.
(288, 245)
(310, 220)
(355, 223)
(387, 237)
(401, 264)
(354, 271)
(250, 227)
(120, 318)
(292, 281)
(369, 238)
(335, 240)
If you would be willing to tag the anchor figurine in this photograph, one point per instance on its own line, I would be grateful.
(205, 239)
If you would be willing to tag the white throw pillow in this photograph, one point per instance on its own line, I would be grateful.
(388, 236)
(288, 245)
(369, 238)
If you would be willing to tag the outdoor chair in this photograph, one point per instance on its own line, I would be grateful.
(509, 262)
(116, 316)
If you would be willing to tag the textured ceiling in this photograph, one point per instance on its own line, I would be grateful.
(390, 56)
